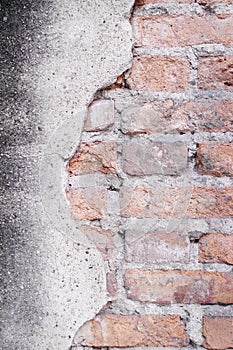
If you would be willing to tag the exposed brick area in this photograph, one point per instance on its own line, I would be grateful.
(100, 115)
(148, 158)
(89, 203)
(214, 158)
(218, 332)
(168, 118)
(183, 30)
(93, 157)
(197, 202)
(132, 331)
(216, 73)
(159, 247)
(215, 247)
(162, 74)
(191, 287)
(151, 183)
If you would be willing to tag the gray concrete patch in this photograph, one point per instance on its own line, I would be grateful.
(57, 56)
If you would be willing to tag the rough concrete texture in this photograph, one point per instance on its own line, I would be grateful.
(56, 55)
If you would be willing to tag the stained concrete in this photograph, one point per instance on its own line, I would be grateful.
(56, 55)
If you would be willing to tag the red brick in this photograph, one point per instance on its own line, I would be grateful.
(216, 248)
(88, 203)
(100, 115)
(218, 332)
(215, 158)
(154, 247)
(197, 202)
(143, 157)
(207, 116)
(166, 287)
(183, 30)
(94, 157)
(164, 117)
(216, 73)
(132, 331)
(159, 74)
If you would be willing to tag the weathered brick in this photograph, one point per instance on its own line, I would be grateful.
(166, 287)
(144, 157)
(165, 117)
(208, 116)
(159, 74)
(218, 332)
(183, 30)
(132, 331)
(88, 203)
(100, 115)
(94, 157)
(216, 73)
(103, 240)
(216, 248)
(210, 2)
(197, 202)
(215, 158)
(152, 118)
(144, 2)
(159, 247)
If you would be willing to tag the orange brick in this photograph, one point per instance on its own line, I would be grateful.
(216, 73)
(88, 203)
(159, 74)
(183, 30)
(197, 202)
(94, 157)
(215, 158)
(132, 331)
(218, 332)
(216, 248)
(188, 287)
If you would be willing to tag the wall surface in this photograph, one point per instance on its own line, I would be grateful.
(151, 183)
(117, 164)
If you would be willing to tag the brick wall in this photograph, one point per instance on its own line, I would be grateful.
(151, 182)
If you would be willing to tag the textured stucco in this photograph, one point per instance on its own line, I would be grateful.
(56, 56)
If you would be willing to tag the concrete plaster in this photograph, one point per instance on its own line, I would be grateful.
(56, 56)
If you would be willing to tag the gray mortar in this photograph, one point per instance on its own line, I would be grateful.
(57, 55)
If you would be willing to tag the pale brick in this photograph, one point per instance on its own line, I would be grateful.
(216, 248)
(100, 115)
(165, 117)
(132, 331)
(218, 332)
(143, 157)
(152, 247)
(216, 73)
(215, 158)
(159, 74)
(92, 157)
(197, 202)
(183, 30)
(188, 287)
(152, 118)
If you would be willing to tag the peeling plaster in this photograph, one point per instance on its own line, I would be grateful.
(70, 51)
